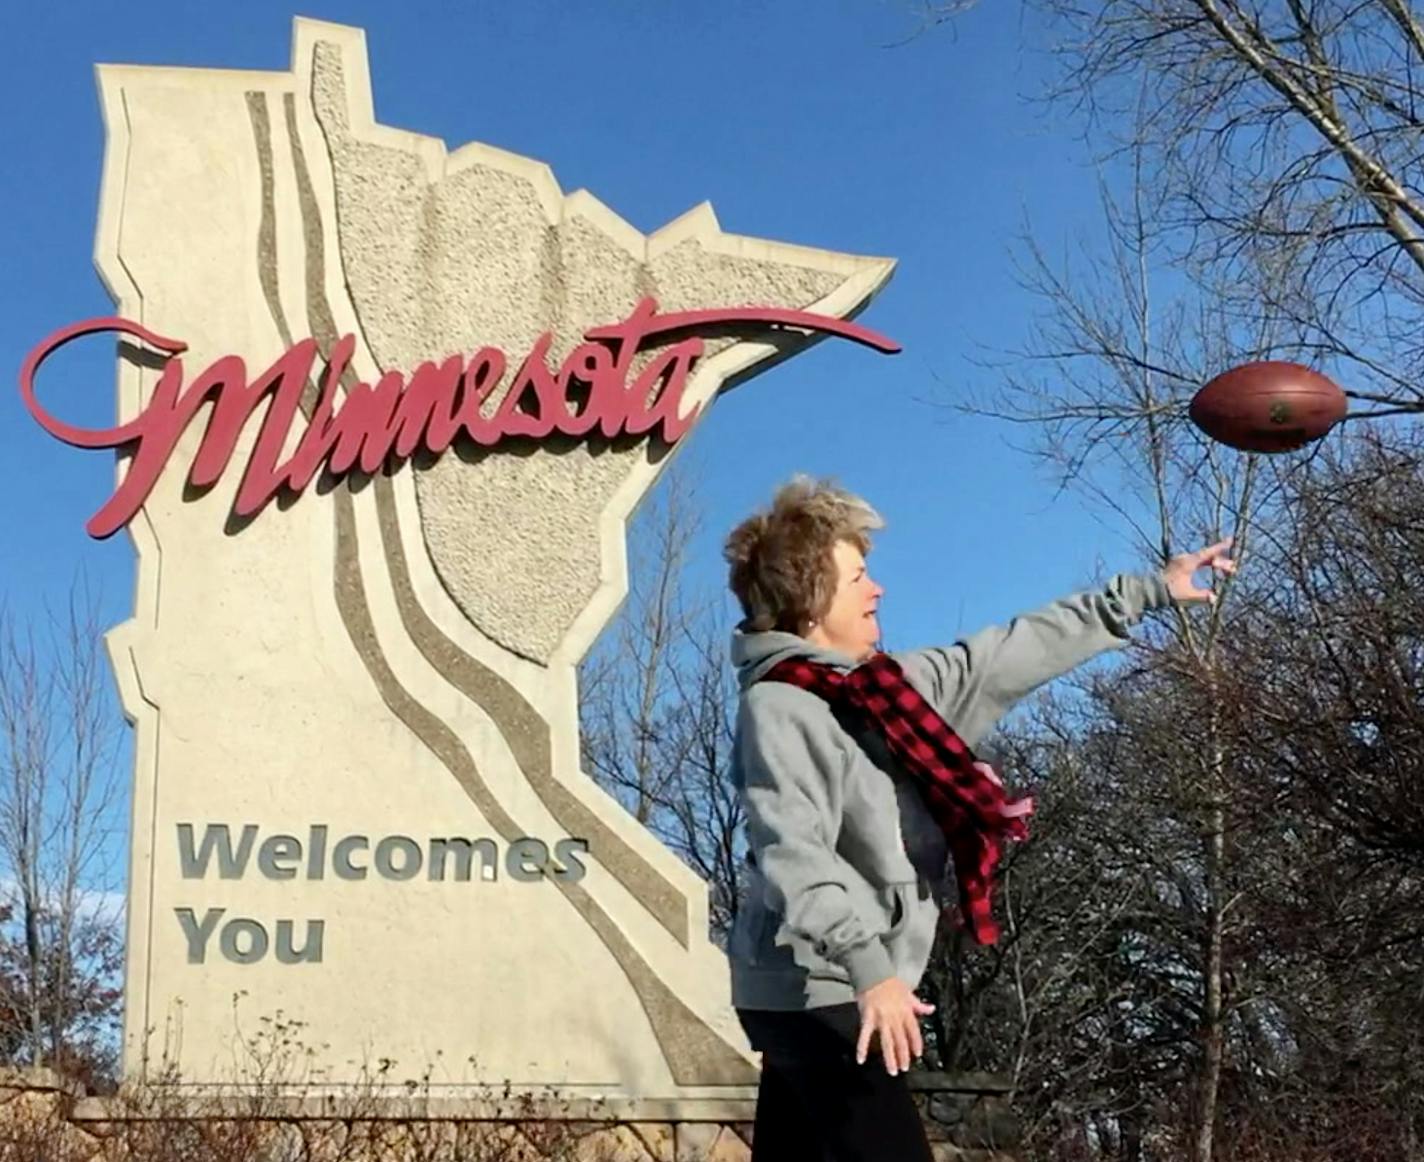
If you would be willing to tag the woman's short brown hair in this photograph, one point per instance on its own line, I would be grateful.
(782, 560)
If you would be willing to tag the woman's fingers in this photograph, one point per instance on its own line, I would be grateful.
(867, 1031)
(896, 1049)
(1214, 552)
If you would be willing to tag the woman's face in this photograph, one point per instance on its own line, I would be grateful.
(850, 625)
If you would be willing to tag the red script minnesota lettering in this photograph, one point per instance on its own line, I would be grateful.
(594, 389)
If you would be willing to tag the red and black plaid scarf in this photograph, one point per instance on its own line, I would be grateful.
(964, 796)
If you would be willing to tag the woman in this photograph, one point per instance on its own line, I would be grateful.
(858, 783)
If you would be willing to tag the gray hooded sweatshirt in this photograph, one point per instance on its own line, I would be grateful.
(847, 868)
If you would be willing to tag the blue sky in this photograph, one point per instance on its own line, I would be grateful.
(797, 120)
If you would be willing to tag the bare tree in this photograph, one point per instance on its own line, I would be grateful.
(60, 941)
(1283, 136)
(1101, 387)
(1280, 142)
(629, 684)
(1233, 808)
(658, 701)
(1325, 690)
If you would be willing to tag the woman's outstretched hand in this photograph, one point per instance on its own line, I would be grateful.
(1181, 571)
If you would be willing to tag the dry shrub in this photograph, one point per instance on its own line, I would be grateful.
(277, 1107)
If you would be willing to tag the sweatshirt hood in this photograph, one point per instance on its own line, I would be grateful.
(753, 654)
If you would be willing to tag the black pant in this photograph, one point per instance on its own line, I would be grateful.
(815, 1104)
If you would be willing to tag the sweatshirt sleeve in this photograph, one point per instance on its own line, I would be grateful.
(792, 770)
(974, 682)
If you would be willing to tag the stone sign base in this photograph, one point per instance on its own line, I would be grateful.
(44, 1118)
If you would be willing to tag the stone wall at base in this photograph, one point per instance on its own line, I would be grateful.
(43, 1118)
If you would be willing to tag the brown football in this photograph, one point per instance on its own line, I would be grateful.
(1270, 406)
